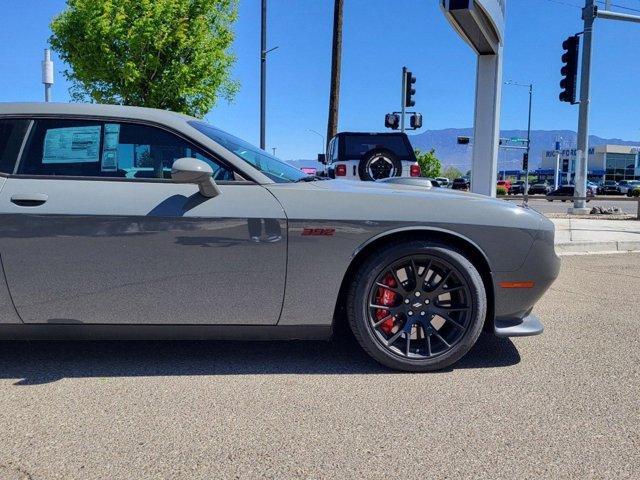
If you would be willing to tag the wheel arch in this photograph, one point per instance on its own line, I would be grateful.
(470, 248)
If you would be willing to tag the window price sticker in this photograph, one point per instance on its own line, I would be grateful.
(110, 148)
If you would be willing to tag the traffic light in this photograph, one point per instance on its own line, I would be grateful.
(569, 70)
(392, 120)
(416, 121)
(525, 161)
(410, 91)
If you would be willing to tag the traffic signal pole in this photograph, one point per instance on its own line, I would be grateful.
(579, 206)
(403, 98)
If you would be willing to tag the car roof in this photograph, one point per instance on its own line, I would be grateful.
(92, 109)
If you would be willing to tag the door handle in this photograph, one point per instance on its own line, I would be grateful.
(29, 200)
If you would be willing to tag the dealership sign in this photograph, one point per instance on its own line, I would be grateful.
(479, 22)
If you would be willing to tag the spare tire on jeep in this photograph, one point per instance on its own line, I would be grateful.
(379, 163)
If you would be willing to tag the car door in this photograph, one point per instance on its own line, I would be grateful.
(92, 230)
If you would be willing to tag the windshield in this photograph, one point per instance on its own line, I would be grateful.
(272, 167)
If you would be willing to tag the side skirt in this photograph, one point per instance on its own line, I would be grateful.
(163, 332)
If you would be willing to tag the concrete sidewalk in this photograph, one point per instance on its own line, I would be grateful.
(575, 236)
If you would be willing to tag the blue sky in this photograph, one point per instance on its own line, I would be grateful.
(380, 37)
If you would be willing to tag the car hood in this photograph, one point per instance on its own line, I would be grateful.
(371, 201)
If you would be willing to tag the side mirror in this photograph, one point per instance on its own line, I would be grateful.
(192, 170)
(322, 158)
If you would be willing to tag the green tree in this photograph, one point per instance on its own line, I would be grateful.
(430, 166)
(452, 173)
(169, 54)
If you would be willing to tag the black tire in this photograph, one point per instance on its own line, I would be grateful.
(383, 162)
(471, 287)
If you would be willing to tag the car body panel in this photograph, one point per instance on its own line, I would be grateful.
(143, 253)
(147, 254)
(503, 235)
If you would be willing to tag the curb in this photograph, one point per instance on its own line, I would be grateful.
(595, 248)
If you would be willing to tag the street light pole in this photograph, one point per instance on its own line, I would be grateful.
(528, 149)
(263, 75)
(526, 178)
(324, 145)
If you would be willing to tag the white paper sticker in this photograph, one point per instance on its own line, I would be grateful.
(110, 148)
(72, 145)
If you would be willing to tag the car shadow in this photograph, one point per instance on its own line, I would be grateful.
(41, 362)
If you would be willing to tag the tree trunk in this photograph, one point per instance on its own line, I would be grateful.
(336, 60)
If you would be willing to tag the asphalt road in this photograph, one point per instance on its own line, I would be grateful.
(557, 206)
(562, 405)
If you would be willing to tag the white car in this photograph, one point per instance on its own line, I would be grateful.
(443, 181)
(370, 156)
(625, 185)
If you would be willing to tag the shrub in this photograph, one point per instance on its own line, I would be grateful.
(635, 192)
(501, 191)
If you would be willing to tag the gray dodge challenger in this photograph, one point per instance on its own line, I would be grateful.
(130, 223)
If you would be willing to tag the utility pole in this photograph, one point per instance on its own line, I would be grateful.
(47, 74)
(588, 15)
(336, 63)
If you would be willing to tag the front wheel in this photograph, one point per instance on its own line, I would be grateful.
(417, 306)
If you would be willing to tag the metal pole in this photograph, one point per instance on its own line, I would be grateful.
(556, 177)
(623, 17)
(579, 206)
(47, 74)
(526, 180)
(324, 145)
(402, 98)
(263, 76)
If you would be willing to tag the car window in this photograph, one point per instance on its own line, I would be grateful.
(334, 150)
(356, 146)
(87, 148)
(270, 166)
(12, 132)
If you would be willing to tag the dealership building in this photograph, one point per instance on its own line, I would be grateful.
(606, 162)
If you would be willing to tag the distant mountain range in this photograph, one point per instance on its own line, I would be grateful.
(450, 153)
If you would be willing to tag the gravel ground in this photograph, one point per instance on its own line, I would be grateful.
(562, 405)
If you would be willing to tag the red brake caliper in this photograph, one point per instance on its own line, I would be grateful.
(387, 298)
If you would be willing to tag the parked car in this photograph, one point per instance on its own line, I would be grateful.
(566, 191)
(370, 156)
(625, 185)
(517, 188)
(443, 181)
(593, 187)
(461, 184)
(213, 241)
(413, 181)
(609, 187)
(540, 188)
(506, 184)
(633, 185)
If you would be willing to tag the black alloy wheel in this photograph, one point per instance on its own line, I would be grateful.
(422, 309)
